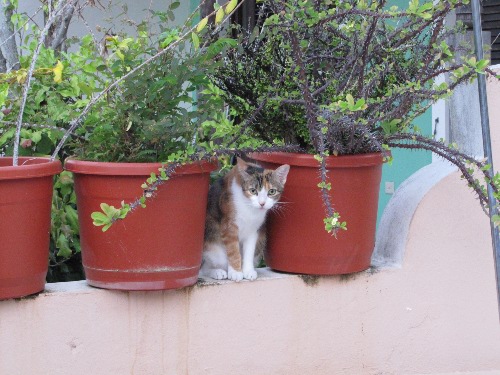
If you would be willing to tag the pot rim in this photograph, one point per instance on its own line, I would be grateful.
(134, 169)
(308, 160)
(29, 167)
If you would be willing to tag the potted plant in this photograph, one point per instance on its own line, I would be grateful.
(344, 80)
(26, 194)
(154, 133)
(26, 171)
(135, 119)
(153, 117)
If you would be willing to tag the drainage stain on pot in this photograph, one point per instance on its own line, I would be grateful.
(310, 280)
(348, 276)
(28, 297)
(313, 280)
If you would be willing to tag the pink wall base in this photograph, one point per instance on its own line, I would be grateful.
(437, 314)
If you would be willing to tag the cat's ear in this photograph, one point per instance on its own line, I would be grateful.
(282, 172)
(242, 164)
(242, 168)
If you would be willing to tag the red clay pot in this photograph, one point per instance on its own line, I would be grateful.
(25, 203)
(297, 240)
(157, 247)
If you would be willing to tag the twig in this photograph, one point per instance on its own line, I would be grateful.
(22, 26)
(40, 126)
(26, 87)
(74, 124)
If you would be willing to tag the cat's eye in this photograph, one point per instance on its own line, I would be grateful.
(252, 191)
(272, 192)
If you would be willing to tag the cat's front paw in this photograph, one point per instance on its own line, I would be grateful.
(234, 275)
(250, 274)
(218, 274)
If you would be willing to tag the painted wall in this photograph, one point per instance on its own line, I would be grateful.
(113, 15)
(406, 162)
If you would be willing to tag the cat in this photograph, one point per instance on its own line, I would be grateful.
(235, 233)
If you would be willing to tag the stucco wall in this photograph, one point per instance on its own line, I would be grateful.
(436, 314)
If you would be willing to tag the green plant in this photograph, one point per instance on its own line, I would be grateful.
(50, 104)
(146, 99)
(162, 107)
(155, 112)
(52, 101)
(64, 255)
(347, 77)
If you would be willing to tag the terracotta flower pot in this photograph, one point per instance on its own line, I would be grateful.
(25, 203)
(157, 247)
(297, 240)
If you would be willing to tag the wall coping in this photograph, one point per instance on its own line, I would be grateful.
(81, 286)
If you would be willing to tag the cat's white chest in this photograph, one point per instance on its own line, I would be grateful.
(248, 217)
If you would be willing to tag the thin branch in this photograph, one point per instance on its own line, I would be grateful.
(456, 157)
(38, 126)
(8, 46)
(74, 124)
(29, 76)
(13, 34)
(304, 85)
(171, 167)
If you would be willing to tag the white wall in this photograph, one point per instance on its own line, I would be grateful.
(110, 14)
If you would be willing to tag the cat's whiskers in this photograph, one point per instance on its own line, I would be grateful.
(280, 208)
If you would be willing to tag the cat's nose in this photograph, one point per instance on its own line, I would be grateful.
(262, 204)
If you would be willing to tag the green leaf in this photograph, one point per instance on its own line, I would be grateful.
(196, 41)
(324, 185)
(107, 209)
(219, 15)
(481, 65)
(231, 5)
(202, 24)
(99, 217)
(72, 218)
(496, 220)
(7, 136)
(350, 100)
(36, 136)
(106, 227)
(62, 244)
(45, 146)
(4, 93)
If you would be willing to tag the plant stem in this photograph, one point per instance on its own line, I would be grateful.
(74, 124)
(27, 84)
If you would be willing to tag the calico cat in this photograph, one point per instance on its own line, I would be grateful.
(235, 232)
